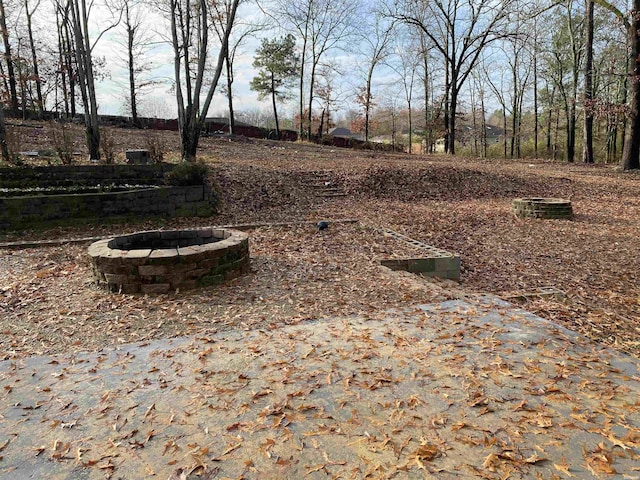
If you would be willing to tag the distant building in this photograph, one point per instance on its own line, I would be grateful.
(341, 132)
(464, 136)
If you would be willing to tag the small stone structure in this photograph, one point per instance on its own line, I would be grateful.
(161, 261)
(435, 263)
(138, 157)
(557, 208)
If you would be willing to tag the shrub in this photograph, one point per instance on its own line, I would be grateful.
(187, 173)
(13, 142)
(156, 146)
(62, 142)
(108, 145)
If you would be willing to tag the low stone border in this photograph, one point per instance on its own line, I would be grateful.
(436, 262)
(161, 261)
(558, 208)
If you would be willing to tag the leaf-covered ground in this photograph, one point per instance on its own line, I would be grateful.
(50, 305)
(461, 389)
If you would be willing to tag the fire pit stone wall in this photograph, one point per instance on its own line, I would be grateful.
(163, 261)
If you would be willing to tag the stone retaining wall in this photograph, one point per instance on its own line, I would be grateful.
(71, 175)
(47, 210)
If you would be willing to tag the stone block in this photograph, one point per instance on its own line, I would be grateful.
(194, 193)
(209, 280)
(116, 278)
(395, 264)
(141, 253)
(129, 288)
(419, 265)
(155, 288)
(151, 270)
(185, 285)
(197, 273)
(166, 253)
(138, 157)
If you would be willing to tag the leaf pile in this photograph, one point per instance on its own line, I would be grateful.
(458, 390)
(460, 205)
(50, 304)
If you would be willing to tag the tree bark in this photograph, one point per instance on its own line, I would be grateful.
(275, 109)
(587, 153)
(229, 68)
(131, 32)
(8, 58)
(80, 18)
(631, 150)
(367, 102)
(34, 58)
(4, 148)
(453, 106)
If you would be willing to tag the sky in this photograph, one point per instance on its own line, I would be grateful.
(113, 90)
(161, 100)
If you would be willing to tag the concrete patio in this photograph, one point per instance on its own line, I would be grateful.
(472, 388)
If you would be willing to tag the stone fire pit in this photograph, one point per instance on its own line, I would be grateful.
(542, 208)
(161, 261)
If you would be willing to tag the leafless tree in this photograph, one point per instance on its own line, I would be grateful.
(8, 59)
(241, 31)
(190, 25)
(376, 36)
(137, 43)
(460, 30)
(407, 56)
(79, 18)
(321, 26)
(34, 55)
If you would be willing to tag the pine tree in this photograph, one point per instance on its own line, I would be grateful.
(278, 63)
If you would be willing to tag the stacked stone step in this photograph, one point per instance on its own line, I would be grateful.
(435, 263)
(546, 208)
(323, 185)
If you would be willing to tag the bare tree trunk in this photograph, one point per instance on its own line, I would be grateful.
(631, 150)
(34, 58)
(191, 116)
(275, 109)
(587, 153)
(232, 121)
(410, 128)
(447, 103)
(483, 124)
(367, 102)
(535, 89)
(69, 54)
(427, 94)
(9, 59)
(131, 33)
(4, 148)
(80, 21)
(312, 79)
(504, 128)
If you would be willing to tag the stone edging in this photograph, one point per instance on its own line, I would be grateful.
(436, 262)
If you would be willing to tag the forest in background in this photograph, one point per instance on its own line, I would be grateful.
(508, 80)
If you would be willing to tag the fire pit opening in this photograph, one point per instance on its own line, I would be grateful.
(161, 261)
(558, 208)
